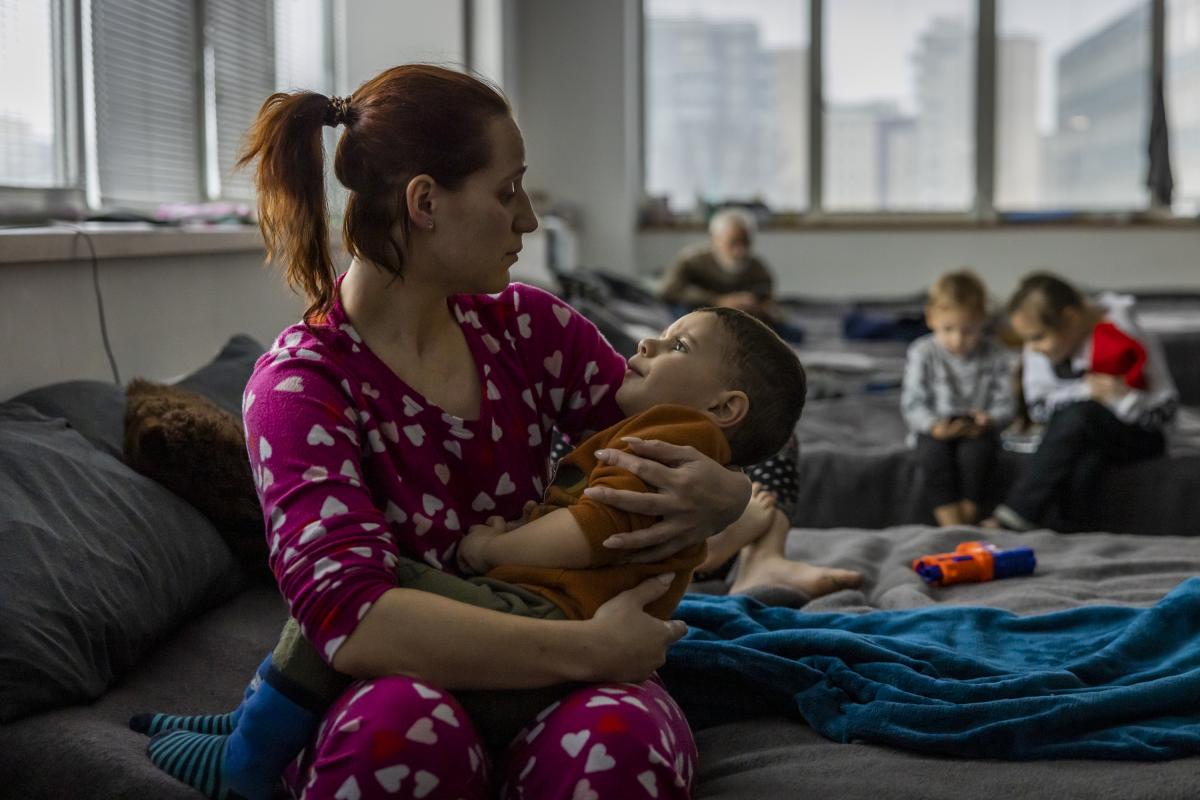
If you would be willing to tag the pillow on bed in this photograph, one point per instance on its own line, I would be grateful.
(94, 408)
(96, 564)
(223, 379)
(197, 449)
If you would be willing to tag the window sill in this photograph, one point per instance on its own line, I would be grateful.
(785, 223)
(121, 240)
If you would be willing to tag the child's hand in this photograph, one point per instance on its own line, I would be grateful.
(1106, 388)
(950, 428)
(983, 420)
(472, 550)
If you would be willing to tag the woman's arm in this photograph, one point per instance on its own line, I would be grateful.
(696, 497)
(405, 633)
(551, 540)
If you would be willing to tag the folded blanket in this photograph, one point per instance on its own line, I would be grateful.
(1092, 682)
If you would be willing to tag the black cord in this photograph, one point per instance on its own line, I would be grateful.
(112, 361)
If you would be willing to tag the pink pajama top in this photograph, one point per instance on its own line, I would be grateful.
(354, 467)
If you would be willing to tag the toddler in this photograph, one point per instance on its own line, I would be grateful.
(956, 397)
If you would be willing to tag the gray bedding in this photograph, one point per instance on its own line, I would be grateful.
(86, 751)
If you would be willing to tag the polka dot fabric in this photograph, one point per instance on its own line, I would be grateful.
(354, 467)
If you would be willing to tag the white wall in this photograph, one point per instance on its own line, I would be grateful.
(166, 315)
(834, 263)
(383, 33)
(578, 108)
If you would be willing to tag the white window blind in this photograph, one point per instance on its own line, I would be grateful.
(31, 88)
(241, 37)
(145, 94)
(302, 45)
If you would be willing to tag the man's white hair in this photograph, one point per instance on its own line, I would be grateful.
(727, 217)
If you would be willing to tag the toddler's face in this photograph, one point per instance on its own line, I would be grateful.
(683, 366)
(957, 330)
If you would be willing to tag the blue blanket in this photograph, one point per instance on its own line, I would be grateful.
(1092, 682)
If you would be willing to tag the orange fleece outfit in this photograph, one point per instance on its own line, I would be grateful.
(579, 592)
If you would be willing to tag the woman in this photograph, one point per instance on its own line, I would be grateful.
(411, 405)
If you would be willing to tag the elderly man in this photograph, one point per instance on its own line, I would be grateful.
(722, 273)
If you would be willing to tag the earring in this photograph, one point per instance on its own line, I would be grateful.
(429, 227)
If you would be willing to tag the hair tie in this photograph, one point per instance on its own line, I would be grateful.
(338, 111)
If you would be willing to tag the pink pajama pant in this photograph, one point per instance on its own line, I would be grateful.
(400, 737)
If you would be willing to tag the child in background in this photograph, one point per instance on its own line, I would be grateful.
(1100, 386)
(717, 379)
(956, 397)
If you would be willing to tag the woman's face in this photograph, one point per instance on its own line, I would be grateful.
(478, 228)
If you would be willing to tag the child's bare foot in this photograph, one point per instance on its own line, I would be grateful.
(968, 511)
(948, 515)
(991, 522)
(763, 564)
(749, 527)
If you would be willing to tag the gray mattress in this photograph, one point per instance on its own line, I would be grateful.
(86, 751)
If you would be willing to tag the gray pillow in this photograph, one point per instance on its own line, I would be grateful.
(94, 408)
(223, 379)
(96, 564)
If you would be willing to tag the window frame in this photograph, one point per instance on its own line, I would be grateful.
(982, 211)
(80, 192)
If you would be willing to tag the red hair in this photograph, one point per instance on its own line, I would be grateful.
(409, 120)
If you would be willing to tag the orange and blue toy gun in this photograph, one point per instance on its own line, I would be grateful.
(973, 562)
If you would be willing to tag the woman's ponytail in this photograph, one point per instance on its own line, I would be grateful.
(290, 181)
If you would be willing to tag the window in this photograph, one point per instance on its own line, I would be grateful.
(1183, 100)
(720, 73)
(899, 105)
(1073, 104)
(1039, 108)
(33, 135)
(168, 91)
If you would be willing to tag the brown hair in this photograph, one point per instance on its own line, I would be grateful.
(1047, 296)
(408, 120)
(764, 367)
(960, 289)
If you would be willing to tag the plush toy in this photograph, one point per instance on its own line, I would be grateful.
(197, 450)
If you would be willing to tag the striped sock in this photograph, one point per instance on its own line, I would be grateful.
(219, 724)
(271, 730)
(197, 759)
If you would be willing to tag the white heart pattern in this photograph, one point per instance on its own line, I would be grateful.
(348, 471)
(505, 485)
(318, 435)
(528, 768)
(426, 692)
(349, 330)
(348, 790)
(633, 701)
(324, 567)
(443, 473)
(490, 342)
(556, 398)
(482, 502)
(315, 474)
(376, 441)
(600, 701)
(422, 523)
(411, 407)
(431, 558)
(492, 392)
(576, 401)
(599, 760)
(369, 391)
(452, 523)
(598, 392)
(390, 431)
(426, 782)
(431, 504)
(332, 646)
(553, 364)
(391, 777)
(332, 506)
(648, 782)
(453, 447)
(446, 714)
(415, 434)
(496, 432)
(535, 435)
(393, 513)
(590, 370)
(292, 339)
(314, 530)
(264, 448)
(422, 731)
(584, 791)
(574, 742)
(248, 401)
(292, 383)
(563, 314)
(529, 737)
(523, 326)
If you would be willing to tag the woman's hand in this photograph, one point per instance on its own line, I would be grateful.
(629, 644)
(696, 497)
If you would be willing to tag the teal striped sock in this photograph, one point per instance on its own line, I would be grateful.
(197, 759)
(220, 724)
